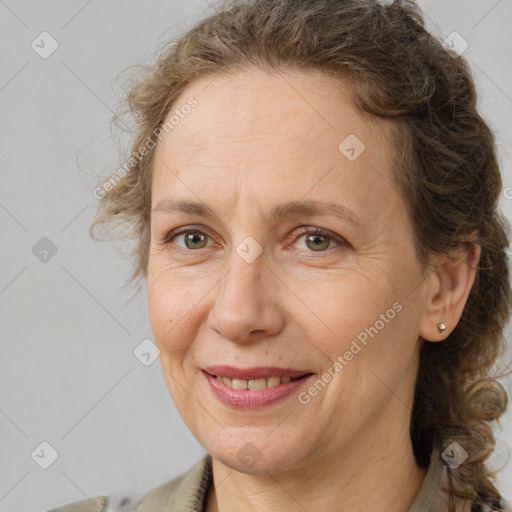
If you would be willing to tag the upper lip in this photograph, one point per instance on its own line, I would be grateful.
(259, 372)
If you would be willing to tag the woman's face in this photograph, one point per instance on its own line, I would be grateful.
(244, 286)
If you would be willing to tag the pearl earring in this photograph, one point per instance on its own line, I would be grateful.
(441, 327)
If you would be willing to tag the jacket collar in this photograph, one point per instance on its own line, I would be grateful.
(427, 498)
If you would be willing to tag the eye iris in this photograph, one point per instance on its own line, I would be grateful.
(192, 237)
(324, 244)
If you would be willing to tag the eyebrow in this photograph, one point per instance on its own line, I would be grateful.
(311, 208)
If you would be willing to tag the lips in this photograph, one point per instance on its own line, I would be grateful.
(254, 388)
(261, 372)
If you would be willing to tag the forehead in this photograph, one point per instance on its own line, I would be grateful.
(297, 131)
(258, 104)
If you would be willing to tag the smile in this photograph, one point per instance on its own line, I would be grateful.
(254, 393)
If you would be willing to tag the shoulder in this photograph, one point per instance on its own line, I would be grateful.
(188, 488)
(96, 504)
(113, 503)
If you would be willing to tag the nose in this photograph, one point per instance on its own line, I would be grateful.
(247, 308)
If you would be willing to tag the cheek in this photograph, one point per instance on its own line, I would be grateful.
(344, 308)
(171, 307)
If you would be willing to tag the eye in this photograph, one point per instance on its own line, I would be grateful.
(192, 239)
(318, 239)
(315, 239)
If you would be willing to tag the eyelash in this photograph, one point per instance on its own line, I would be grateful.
(167, 238)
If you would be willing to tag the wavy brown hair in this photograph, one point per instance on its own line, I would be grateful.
(446, 167)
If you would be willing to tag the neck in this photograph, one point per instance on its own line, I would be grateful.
(380, 475)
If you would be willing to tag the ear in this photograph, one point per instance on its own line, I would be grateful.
(448, 286)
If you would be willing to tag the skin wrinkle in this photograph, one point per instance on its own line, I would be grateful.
(288, 310)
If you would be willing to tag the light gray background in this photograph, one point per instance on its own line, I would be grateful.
(68, 375)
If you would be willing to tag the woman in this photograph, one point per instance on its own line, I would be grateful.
(313, 199)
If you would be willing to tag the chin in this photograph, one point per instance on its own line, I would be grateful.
(255, 455)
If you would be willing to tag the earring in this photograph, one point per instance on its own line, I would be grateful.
(441, 327)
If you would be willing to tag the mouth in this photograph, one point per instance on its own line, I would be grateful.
(254, 388)
(255, 378)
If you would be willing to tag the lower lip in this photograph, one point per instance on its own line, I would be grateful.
(253, 398)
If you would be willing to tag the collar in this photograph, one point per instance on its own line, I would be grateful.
(187, 492)
(428, 498)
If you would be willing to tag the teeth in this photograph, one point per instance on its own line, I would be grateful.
(239, 384)
(272, 382)
(255, 384)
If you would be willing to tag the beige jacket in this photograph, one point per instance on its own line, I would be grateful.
(188, 492)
